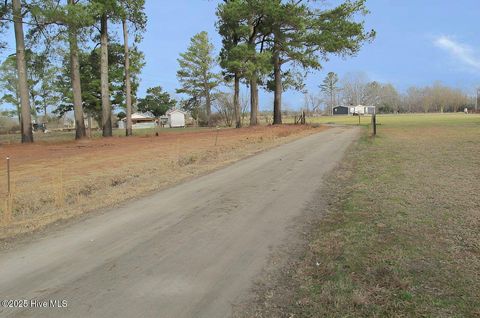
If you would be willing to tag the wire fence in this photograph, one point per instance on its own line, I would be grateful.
(37, 186)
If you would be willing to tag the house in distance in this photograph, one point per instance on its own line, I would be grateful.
(174, 118)
(354, 110)
(362, 110)
(139, 121)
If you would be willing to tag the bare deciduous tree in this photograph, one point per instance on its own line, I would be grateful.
(312, 103)
(355, 88)
(224, 105)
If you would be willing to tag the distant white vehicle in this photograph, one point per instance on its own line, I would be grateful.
(176, 118)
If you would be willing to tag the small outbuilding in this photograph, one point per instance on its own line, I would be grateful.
(176, 118)
(340, 110)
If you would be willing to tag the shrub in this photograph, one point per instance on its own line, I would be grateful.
(8, 124)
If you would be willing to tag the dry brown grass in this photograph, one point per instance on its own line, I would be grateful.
(401, 231)
(53, 181)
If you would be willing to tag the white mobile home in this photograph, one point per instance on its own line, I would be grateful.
(362, 110)
(176, 118)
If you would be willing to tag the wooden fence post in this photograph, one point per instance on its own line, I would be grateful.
(374, 124)
(7, 216)
(8, 174)
(216, 136)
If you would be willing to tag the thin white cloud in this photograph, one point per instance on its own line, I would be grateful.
(460, 51)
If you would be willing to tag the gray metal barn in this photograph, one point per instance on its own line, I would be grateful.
(340, 110)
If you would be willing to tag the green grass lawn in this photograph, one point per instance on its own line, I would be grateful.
(401, 231)
(401, 119)
(406, 120)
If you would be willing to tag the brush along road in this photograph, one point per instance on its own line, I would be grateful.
(189, 251)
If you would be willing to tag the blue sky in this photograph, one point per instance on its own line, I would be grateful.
(418, 42)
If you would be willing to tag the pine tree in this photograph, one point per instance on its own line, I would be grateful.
(330, 88)
(240, 24)
(302, 35)
(196, 73)
(23, 89)
(133, 12)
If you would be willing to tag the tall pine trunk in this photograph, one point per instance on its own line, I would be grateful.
(26, 119)
(75, 78)
(236, 102)
(128, 88)
(277, 100)
(89, 121)
(106, 107)
(254, 77)
(332, 102)
(208, 105)
(253, 101)
(18, 105)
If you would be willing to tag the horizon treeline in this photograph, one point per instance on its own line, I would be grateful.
(358, 89)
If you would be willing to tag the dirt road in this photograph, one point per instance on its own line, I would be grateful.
(190, 251)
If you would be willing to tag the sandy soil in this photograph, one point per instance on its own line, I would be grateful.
(191, 250)
(52, 181)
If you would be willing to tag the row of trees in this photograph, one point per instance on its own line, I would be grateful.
(435, 98)
(270, 44)
(357, 89)
(60, 30)
(49, 82)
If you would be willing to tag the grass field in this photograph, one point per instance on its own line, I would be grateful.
(57, 179)
(404, 120)
(400, 235)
